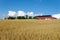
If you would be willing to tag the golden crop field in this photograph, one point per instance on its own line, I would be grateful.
(30, 29)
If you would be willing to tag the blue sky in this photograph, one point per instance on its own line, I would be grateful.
(46, 7)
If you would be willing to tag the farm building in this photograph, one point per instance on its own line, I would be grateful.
(45, 17)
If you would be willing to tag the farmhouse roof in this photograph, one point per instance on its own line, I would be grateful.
(44, 16)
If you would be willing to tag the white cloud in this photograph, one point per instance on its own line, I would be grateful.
(39, 14)
(56, 16)
(30, 13)
(11, 13)
(21, 13)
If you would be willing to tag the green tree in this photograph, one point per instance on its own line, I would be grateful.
(30, 17)
(26, 17)
(34, 17)
(10, 17)
(20, 17)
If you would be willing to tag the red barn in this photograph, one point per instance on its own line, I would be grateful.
(45, 17)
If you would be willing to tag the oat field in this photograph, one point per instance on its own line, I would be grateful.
(30, 29)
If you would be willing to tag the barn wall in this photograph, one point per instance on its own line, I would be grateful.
(45, 18)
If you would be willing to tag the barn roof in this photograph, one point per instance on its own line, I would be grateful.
(44, 16)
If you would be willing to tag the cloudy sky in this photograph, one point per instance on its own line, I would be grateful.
(46, 7)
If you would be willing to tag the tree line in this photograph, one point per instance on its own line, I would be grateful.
(20, 17)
